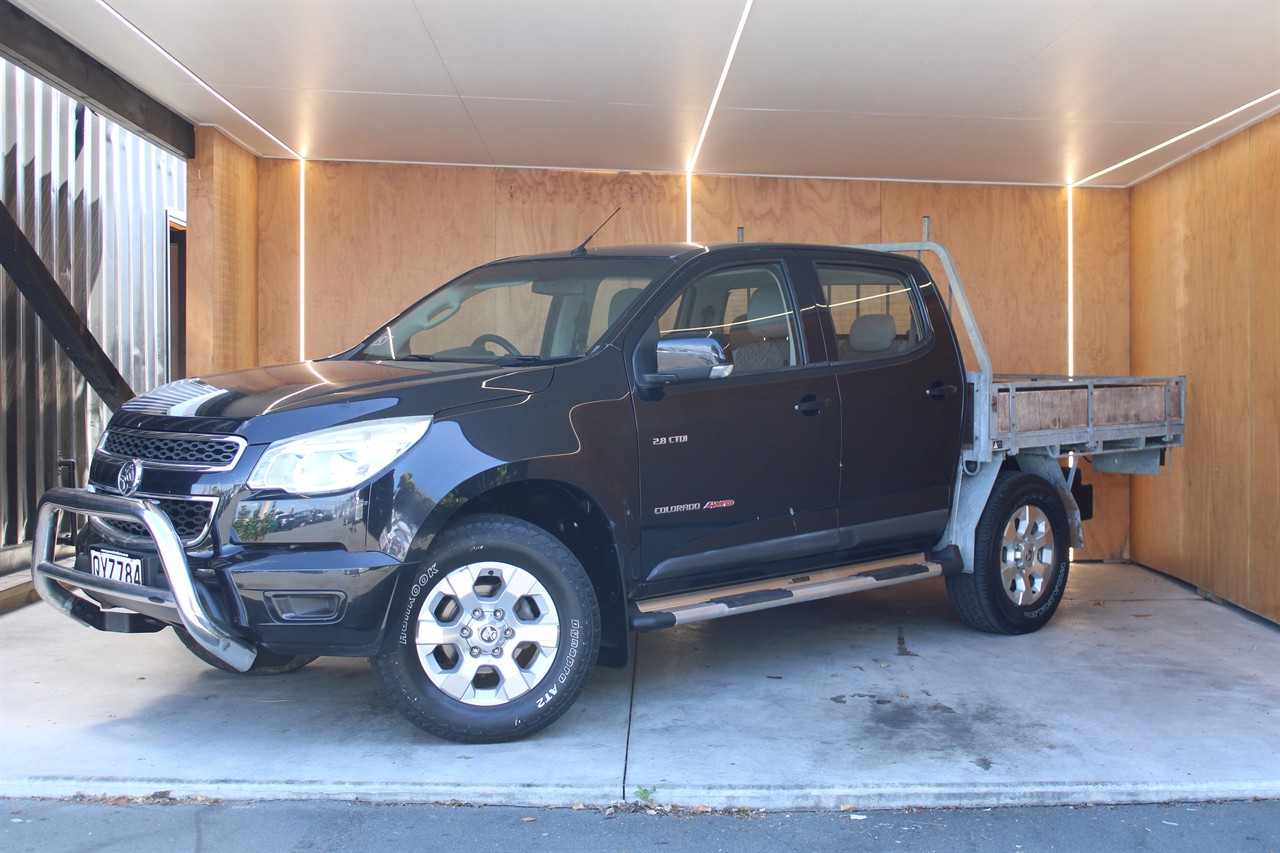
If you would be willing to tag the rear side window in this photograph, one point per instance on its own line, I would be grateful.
(875, 312)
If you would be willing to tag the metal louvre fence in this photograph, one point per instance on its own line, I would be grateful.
(95, 200)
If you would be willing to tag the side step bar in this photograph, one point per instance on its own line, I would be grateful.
(655, 613)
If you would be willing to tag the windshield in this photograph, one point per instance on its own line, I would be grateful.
(517, 311)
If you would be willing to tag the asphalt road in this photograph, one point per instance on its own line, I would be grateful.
(50, 826)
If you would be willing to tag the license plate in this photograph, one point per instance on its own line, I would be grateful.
(115, 566)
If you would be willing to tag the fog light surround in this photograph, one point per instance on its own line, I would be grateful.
(306, 606)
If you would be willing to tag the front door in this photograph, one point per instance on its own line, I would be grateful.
(739, 473)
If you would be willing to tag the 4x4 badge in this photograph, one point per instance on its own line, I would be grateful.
(129, 477)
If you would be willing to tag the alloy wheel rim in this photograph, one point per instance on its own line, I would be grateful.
(487, 633)
(1026, 555)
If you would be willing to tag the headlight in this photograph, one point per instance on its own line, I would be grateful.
(335, 459)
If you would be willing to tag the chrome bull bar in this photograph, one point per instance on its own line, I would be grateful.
(45, 573)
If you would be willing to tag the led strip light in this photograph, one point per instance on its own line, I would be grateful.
(1071, 225)
(706, 124)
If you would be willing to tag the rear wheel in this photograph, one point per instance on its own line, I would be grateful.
(1020, 559)
(497, 633)
(266, 663)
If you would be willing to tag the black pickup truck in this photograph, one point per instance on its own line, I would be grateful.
(490, 492)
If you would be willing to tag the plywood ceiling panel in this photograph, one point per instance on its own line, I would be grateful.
(932, 90)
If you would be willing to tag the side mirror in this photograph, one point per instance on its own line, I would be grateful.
(682, 358)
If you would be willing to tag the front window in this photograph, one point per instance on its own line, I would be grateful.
(517, 311)
(749, 306)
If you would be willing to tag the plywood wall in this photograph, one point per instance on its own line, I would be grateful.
(222, 256)
(1206, 303)
(378, 234)
(791, 210)
(1010, 247)
(1101, 259)
(386, 231)
(381, 236)
(1185, 265)
(279, 211)
(539, 210)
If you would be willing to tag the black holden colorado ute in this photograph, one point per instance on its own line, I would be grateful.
(491, 491)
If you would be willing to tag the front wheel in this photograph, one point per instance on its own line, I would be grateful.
(1020, 559)
(497, 633)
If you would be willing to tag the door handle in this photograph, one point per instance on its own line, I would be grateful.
(811, 405)
(941, 390)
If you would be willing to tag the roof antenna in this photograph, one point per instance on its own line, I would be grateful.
(582, 250)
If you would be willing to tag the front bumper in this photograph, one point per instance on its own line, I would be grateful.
(303, 598)
(181, 603)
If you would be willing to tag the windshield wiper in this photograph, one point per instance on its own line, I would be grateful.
(506, 360)
(415, 356)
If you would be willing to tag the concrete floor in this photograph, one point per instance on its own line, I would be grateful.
(1139, 691)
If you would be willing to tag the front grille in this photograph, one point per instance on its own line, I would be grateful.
(190, 519)
(178, 450)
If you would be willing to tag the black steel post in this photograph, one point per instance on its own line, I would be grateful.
(20, 259)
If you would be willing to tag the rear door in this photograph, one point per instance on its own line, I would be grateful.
(739, 473)
(901, 406)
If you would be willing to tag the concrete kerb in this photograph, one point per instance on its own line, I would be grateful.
(759, 798)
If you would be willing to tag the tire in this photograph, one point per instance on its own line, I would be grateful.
(498, 633)
(1020, 559)
(266, 663)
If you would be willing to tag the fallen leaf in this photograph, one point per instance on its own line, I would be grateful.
(527, 819)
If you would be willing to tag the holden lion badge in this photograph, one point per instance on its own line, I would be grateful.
(129, 477)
